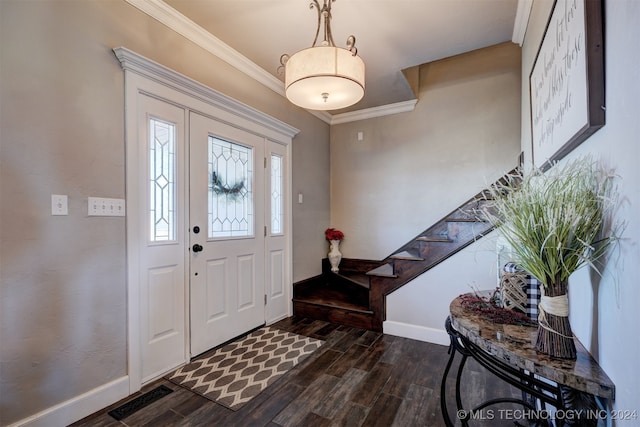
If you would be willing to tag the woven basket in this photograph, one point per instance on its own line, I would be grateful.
(513, 291)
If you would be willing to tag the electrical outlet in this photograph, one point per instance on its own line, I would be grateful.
(100, 206)
(59, 205)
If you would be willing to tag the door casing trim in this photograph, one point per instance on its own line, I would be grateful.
(144, 76)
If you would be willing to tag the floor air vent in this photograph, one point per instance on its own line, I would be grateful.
(140, 402)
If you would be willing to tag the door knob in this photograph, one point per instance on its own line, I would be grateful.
(197, 248)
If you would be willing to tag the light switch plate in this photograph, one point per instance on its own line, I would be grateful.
(101, 206)
(59, 204)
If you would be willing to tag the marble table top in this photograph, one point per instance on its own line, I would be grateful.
(515, 345)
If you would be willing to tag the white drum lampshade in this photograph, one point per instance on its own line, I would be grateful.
(324, 78)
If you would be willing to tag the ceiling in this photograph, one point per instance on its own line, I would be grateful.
(391, 35)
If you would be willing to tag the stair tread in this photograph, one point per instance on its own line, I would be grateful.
(385, 270)
(333, 303)
(464, 219)
(407, 256)
(358, 278)
(434, 239)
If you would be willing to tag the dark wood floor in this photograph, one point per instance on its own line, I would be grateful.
(357, 378)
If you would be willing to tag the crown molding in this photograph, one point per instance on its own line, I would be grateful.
(165, 14)
(369, 113)
(322, 115)
(521, 21)
(182, 25)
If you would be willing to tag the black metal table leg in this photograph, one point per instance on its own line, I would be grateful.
(534, 390)
(443, 385)
(454, 347)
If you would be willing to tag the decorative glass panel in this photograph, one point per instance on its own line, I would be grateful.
(276, 194)
(230, 189)
(162, 188)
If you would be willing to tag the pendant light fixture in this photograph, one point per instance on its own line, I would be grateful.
(324, 77)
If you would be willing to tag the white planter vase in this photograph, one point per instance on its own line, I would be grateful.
(334, 255)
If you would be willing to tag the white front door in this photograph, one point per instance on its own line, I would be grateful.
(227, 232)
(208, 234)
(161, 233)
(169, 306)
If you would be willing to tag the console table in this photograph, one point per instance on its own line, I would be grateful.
(508, 351)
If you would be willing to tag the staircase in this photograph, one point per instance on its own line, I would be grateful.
(356, 295)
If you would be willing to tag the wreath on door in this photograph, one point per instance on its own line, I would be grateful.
(234, 191)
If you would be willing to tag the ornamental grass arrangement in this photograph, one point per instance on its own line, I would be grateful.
(556, 222)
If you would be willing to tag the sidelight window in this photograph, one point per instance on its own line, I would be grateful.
(162, 185)
(277, 191)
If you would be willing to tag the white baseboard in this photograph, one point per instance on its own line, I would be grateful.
(79, 407)
(416, 332)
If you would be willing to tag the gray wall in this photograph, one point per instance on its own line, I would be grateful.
(62, 278)
(414, 168)
(604, 310)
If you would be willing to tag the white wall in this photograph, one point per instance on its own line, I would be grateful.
(605, 311)
(418, 310)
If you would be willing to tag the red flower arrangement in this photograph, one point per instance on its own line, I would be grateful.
(333, 234)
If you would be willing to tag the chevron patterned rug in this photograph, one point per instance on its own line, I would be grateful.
(234, 374)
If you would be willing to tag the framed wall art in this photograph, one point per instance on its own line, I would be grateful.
(567, 81)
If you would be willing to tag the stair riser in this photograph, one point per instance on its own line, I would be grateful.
(467, 230)
(335, 315)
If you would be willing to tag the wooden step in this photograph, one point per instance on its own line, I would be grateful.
(406, 256)
(332, 303)
(385, 270)
(475, 208)
(464, 219)
(434, 239)
(355, 277)
(330, 313)
(333, 299)
(485, 197)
